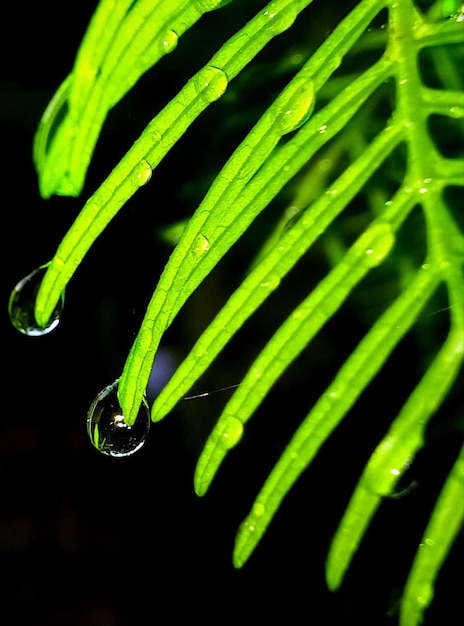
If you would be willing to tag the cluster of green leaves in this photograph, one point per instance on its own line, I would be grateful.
(323, 111)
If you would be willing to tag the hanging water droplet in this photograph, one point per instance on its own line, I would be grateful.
(107, 429)
(210, 83)
(168, 41)
(232, 433)
(141, 173)
(22, 303)
(200, 246)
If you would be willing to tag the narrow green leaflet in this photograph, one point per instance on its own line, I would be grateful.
(393, 456)
(443, 528)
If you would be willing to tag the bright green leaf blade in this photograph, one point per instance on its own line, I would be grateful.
(444, 525)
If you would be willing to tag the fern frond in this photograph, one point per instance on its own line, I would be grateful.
(376, 116)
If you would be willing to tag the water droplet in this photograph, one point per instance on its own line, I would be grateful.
(22, 302)
(299, 105)
(141, 173)
(246, 526)
(200, 245)
(425, 596)
(168, 41)
(210, 83)
(323, 128)
(258, 509)
(280, 19)
(380, 239)
(385, 482)
(107, 429)
(155, 134)
(232, 433)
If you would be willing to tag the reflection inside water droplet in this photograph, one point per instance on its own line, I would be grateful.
(22, 303)
(107, 429)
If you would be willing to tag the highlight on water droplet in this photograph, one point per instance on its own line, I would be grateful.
(200, 245)
(107, 428)
(141, 173)
(210, 83)
(22, 304)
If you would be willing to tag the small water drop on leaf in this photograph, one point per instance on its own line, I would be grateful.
(232, 433)
(168, 41)
(299, 106)
(22, 303)
(210, 83)
(200, 245)
(258, 509)
(381, 239)
(107, 428)
(280, 19)
(141, 174)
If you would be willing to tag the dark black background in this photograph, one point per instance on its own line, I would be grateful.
(87, 540)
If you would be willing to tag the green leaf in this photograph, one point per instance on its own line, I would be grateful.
(443, 528)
